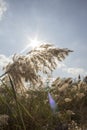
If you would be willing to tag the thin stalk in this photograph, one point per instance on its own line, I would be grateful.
(15, 97)
(4, 74)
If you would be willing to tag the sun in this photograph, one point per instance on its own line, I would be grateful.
(34, 42)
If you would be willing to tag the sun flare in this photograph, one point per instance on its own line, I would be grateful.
(34, 42)
(31, 43)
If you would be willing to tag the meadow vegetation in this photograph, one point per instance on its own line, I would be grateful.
(28, 108)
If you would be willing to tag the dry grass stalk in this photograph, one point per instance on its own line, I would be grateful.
(26, 67)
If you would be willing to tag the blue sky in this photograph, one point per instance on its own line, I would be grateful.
(60, 22)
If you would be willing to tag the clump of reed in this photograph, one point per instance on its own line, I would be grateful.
(29, 109)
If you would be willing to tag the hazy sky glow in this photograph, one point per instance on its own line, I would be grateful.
(61, 22)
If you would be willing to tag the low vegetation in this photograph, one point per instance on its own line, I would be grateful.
(31, 108)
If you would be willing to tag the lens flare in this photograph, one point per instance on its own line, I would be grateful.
(52, 103)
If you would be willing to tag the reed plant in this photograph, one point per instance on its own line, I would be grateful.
(61, 105)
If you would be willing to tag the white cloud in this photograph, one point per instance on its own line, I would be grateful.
(71, 70)
(3, 8)
(61, 65)
(75, 71)
(3, 61)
